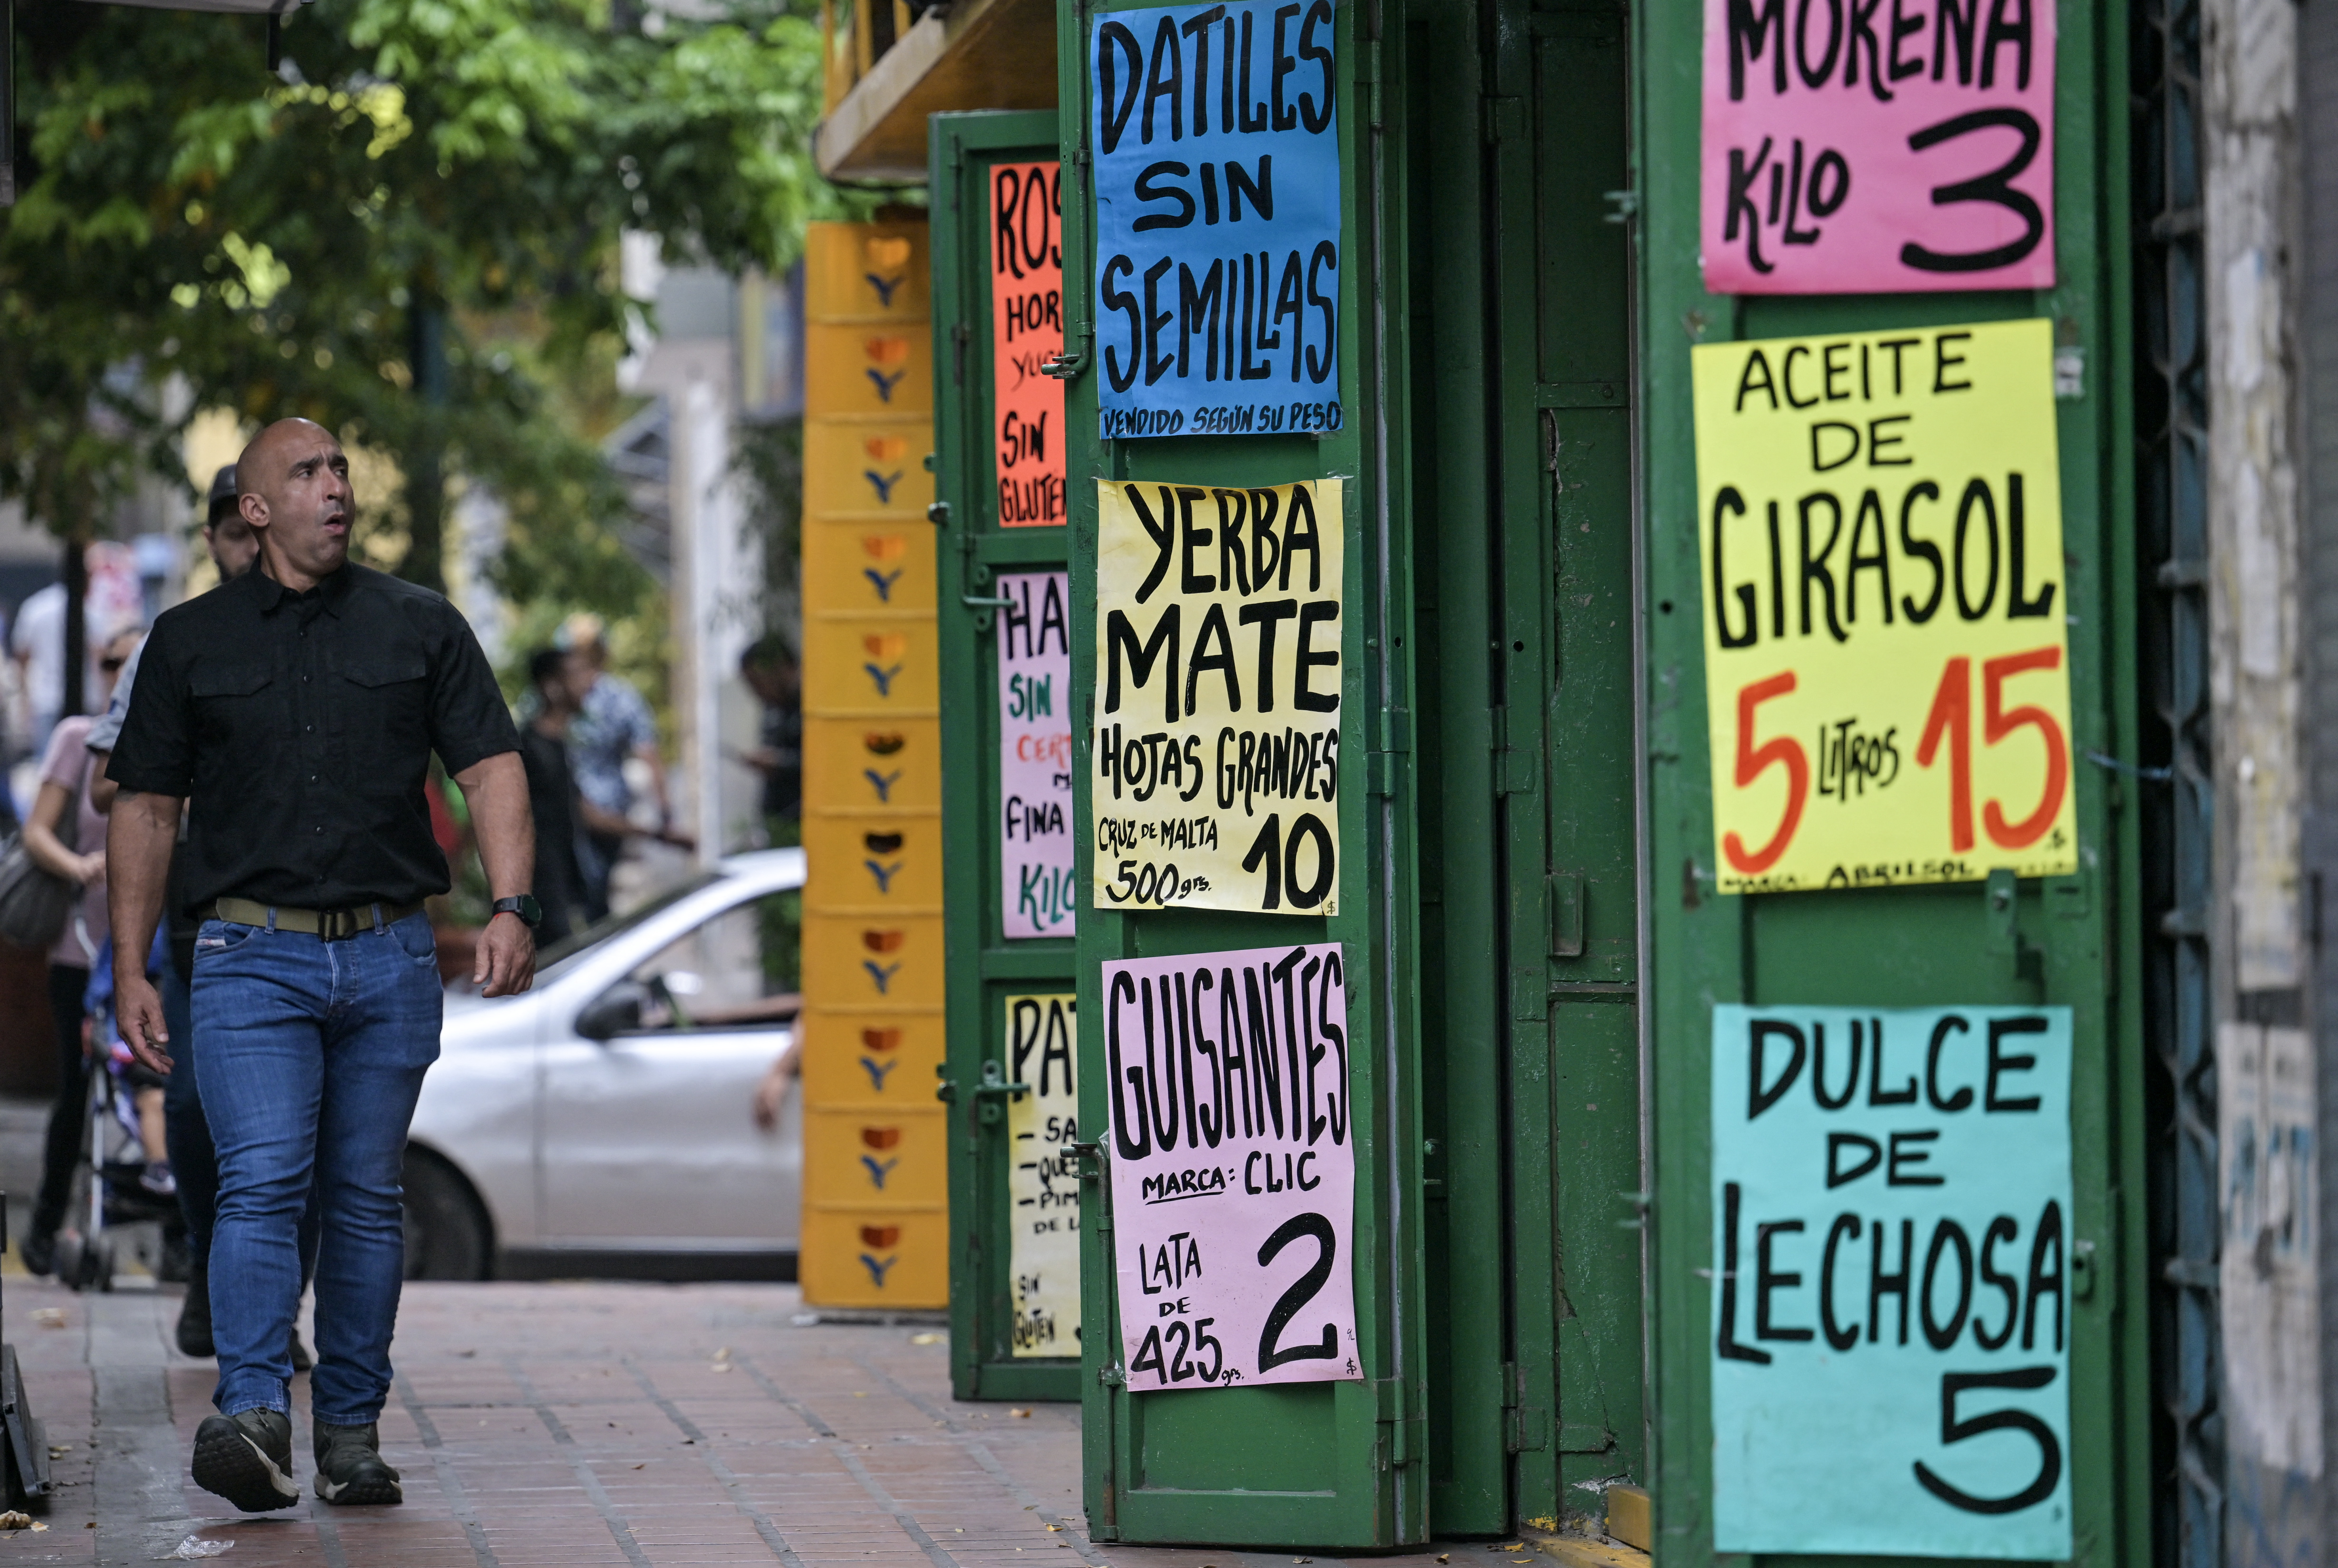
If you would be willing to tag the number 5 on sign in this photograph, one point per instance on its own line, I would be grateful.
(1887, 658)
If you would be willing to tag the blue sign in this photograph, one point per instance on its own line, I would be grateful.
(1893, 1279)
(1217, 189)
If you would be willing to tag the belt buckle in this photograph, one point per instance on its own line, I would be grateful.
(334, 925)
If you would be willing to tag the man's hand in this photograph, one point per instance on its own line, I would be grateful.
(138, 1013)
(505, 961)
(137, 863)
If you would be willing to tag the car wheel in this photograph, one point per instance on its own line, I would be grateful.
(447, 1236)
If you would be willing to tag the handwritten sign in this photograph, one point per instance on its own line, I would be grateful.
(1217, 750)
(1886, 662)
(1233, 1167)
(1217, 189)
(1035, 754)
(1043, 1187)
(1026, 330)
(1891, 1281)
(1853, 148)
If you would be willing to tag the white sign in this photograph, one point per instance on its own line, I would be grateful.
(1043, 1187)
(1035, 754)
(2266, 1277)
(1233, 1168)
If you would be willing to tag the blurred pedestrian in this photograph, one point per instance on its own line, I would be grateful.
(558, 681)
(296, 709)
(113, 599)
(194, 1163)
(65, 836)
(772, 673)
(553, 679)
(614, 724)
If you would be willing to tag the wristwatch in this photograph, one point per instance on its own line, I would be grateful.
(530, 911)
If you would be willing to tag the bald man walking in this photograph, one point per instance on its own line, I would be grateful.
(296, 707)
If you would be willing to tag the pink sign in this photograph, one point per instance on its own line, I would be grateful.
(1878, 146)
(1034, 753)
(1233, 1167)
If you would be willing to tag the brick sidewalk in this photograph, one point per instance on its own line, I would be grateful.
(573, 1425)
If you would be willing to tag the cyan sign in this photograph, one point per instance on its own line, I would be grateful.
(1217, 182)
(1892, 1280)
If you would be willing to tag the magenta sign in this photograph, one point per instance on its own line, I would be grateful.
(1232, 1158)
(1878, 146)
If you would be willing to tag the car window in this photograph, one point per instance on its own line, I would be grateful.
(555, 955)
(736, 971)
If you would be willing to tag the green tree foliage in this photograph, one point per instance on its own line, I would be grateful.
(344, 239)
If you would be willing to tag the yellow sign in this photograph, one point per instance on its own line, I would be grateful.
(1218, 678)
(1887, 665)
(1042, 1182)
(876, 1231)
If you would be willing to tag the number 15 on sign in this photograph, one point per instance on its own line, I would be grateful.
(1886, 616)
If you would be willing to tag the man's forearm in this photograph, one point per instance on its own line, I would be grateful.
(656, 761)
(495, 790)
(138, 842)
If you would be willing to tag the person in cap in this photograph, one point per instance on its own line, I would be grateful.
(296, 709)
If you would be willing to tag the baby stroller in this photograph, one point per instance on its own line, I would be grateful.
(110, 1187)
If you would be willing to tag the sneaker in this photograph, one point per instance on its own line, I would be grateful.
(157, 1179)
(350, 1467)
(301, 1360)
(247, 1458)
(195, 1331)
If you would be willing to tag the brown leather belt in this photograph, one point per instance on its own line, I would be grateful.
(329, 925)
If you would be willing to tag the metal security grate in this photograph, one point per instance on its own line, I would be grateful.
(2177, 806)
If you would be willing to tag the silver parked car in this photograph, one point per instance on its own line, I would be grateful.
(603, 1123)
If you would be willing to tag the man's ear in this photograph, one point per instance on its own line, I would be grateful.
(254, 509)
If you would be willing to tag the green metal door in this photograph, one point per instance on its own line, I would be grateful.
(2061, 941)
(1335, 1465)
(1523, 516)
(1006, 724)
(1565, 728)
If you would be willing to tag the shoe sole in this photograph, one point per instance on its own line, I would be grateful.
(365, 1489)
(228, 1464)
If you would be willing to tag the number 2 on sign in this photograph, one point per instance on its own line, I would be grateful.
(1950, 721)
(1952, 718)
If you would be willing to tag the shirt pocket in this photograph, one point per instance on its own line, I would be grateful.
(384, 706)
(233, 703)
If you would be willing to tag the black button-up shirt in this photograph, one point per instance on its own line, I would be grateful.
(300, 726)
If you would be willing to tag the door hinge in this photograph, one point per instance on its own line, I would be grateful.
(2004, 939)
(1529, 1430)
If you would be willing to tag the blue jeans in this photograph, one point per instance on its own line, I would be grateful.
(193, 1161)
(309, 1055)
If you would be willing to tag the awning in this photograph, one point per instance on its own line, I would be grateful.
(985, 54)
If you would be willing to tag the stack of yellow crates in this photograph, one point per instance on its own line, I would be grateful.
(876, 1223)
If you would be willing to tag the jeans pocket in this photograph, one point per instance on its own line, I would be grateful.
(417, 939)
(218, 936)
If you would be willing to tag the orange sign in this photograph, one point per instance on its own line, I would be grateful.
(1026, 330)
